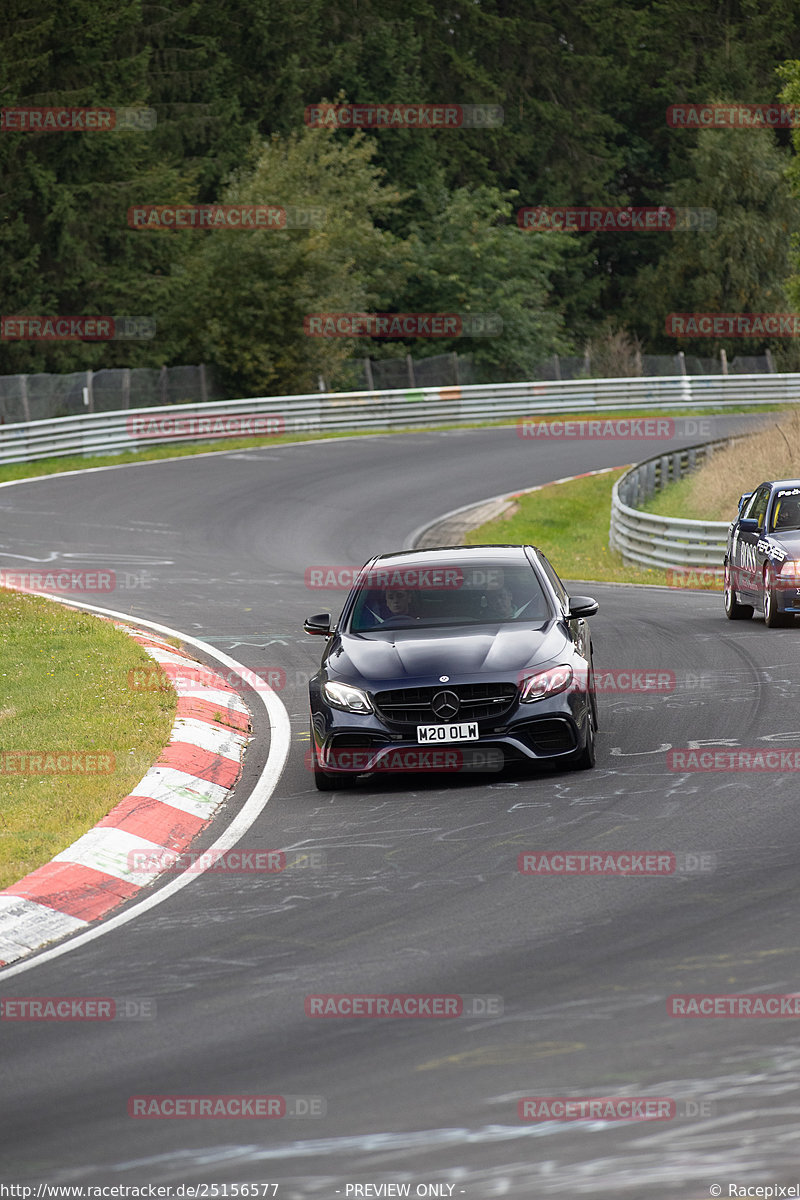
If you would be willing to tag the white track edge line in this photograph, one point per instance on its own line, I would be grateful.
(280, 743)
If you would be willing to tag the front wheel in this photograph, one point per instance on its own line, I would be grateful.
(584, 760)
(773, 619)
(734, 611)
(322, 780)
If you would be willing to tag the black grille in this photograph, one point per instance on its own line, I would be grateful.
(548, 736)
(356, 741)
(478, 702)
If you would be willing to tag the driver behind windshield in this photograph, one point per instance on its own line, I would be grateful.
(510, 593)
(787, 515)
(500, 603)
(399, 602)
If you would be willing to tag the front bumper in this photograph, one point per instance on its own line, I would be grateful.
(350, 744)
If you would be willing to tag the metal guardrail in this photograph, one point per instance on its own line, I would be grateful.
(654, 541)
(109, 433)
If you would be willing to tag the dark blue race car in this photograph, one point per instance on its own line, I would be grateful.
(762, 559)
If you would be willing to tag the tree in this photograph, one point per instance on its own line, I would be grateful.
(65, 248)
(242, 297)
(469, 256)
(739, 267)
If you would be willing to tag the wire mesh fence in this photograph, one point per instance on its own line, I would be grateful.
(460, 370)
(44, 396)
(41, 397)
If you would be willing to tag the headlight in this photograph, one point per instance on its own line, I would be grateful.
(545, 683)
(351, 699)
(790, 567)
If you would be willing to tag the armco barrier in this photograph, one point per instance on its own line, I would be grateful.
(654, 541)
(108, 433)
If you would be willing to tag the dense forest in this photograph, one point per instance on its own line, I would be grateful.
(403, 219)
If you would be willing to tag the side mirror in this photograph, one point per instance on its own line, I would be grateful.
(749, 525)
(582, 606)
(320, 623)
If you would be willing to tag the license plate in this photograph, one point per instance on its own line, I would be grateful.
(463, 731)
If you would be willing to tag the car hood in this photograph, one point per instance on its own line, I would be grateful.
(406, 657)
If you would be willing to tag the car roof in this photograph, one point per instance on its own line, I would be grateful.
(500, 552)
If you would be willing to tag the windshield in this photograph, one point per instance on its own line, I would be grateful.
(786, 513)
(479, 594)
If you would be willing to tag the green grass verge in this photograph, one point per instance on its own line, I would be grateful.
(676, 500)
(80, 462)
(64, 690)
(569, 522)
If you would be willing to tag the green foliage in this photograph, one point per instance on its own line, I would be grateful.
(584, 88)
(740, 266)
(243, 295)
(468, 256)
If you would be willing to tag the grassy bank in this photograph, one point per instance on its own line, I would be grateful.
(65, 697)
(569, 522)
(712, 493)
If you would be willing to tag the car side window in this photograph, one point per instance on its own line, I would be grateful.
(757, 508)
(558, 586)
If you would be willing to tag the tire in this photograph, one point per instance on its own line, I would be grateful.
(734, 611)
(593, 698)
(772, 618)
(323, 781)
(584, 760)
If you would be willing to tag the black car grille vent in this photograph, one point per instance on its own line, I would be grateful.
(477, 702)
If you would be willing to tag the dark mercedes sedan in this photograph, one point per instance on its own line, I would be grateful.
(465, 658)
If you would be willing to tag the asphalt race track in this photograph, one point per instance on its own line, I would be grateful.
(413, 885)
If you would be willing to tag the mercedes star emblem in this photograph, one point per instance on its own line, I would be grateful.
(445, 705)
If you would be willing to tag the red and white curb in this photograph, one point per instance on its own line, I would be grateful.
(174, 801)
